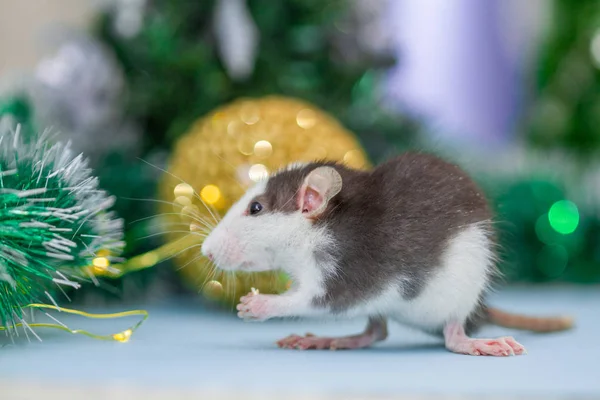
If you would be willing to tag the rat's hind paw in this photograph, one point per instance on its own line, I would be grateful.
(500, 347)
(458, 342)
(504, 346)
(311, 341)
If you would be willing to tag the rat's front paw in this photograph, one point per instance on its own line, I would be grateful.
(256, 307)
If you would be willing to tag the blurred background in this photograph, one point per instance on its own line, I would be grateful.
(222, 92)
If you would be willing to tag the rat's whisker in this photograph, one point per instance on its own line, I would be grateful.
(182, 181)
(231, 278)
(216, 275)
(234, 291)
(176, 227)
(198, 218)
(166, 232)
(216, 212)
(209, 227)
(162, 170)
(208, 209)
(191, 261)
(168, 224)
(195, 225)
(293, 197)
(211, 272)
(273, 280)
(180, 252)
(193, 217)
(171, 203)
(153, 225)
(233, 167)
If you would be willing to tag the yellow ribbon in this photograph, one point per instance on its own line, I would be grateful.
(102, 267)
(122, 336)
(149, 259)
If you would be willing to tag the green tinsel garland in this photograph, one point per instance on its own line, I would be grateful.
(53, 222)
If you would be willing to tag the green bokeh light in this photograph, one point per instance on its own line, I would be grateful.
(564, 217)
(553, 260)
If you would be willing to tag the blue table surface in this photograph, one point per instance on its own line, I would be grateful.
(184, 346)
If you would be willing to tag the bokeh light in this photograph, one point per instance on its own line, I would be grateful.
(544, 231)
(263, 148)
(258, 172)
(354, 159)
(182, 201)
(210, 194)
(100, 265)
(183, 189)
(124, 336)
(245, 144)
(595, 48)
(213, 289)
(564, 217)
(101, 262)
(306, 118)
(190, 212)
(250, 113)
(552, 260)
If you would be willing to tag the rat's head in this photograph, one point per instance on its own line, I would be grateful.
(273, 223)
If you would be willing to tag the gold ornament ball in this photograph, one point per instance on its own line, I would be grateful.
(226, 152)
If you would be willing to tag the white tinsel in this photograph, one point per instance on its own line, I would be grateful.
(38, 162)
(5, 276)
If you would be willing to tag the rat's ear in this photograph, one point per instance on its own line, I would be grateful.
(318, 188)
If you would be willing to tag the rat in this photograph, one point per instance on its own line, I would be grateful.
(411, 240)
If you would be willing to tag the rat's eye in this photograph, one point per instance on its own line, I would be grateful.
(255, 208)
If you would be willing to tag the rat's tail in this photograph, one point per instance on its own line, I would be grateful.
(534, 324)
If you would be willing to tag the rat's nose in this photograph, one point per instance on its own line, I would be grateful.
(206, 252)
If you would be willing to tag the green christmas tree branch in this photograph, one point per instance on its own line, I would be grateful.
(54, 220)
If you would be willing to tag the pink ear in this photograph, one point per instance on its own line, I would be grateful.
(311, 200)
(318, 188)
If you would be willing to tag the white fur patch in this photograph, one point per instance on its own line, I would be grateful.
(451, 295)
(296, 257)
(269, 241)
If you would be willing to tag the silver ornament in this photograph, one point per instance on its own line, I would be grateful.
(237, 37)
(363, 33)
(128, 17)
(79, 91)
